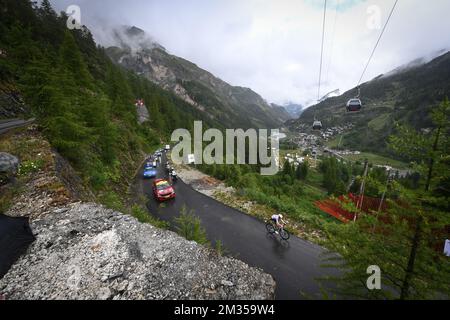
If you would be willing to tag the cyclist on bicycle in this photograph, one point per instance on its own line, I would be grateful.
(278, 220)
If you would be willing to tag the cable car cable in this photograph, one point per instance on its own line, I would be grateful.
(321, 52)
(355, 104)
(332, 38)
(378, 41)
(321, 60)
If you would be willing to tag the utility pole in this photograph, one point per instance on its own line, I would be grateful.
(383, 197)
(361, 190)
(388, 182)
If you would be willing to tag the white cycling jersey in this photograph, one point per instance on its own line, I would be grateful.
(276, 217)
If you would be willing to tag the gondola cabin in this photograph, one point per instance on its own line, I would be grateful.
(317, 125)
(354, 105)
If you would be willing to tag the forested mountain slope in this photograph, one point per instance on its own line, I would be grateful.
(405, 95)
(83, 102)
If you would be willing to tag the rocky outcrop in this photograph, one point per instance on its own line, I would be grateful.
(85, 251)
(143, 114)
(11, 102)
(8, 163)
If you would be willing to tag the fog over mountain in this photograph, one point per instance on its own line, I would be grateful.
(295, 110)
(230, 105)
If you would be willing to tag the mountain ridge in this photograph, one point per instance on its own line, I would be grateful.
(294, 109)
(232, 105)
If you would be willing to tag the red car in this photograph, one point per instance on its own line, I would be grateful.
(163, 190)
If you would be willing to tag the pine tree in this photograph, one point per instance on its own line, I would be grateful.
(302, 171)
(50, 28)
(287, 168)
(72, 61)
(46, 10)
(330, 174)
(428, 151)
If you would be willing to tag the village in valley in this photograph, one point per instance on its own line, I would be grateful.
(308, 145)
(314, 144)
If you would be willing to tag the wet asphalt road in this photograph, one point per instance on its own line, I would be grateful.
(294, 264)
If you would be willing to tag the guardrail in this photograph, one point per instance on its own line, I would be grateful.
(9, 124)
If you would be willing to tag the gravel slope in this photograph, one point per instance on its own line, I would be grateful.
(85, 251)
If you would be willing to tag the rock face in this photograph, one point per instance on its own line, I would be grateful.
(295, 110)
(11, 103)
(8, 163)
(143, 114)
(85, 251)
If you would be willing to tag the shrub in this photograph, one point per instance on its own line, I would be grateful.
(112, 200)
(28, 167)
(189, 227)
(144, 216)
(220, 249)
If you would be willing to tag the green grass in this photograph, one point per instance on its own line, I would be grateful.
(219, 248)
(379, 122)
(112, 200)
(314, 180)
(334, 143)
(373, 158)
(188, 225)
(29, 167)
(144, 216)
(376, 160)
(8, 195)
(300, 208)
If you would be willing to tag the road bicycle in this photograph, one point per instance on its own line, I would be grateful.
(273, 228)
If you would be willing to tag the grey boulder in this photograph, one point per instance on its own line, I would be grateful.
(8, 163)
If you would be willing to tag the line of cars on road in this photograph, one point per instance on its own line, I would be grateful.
(162, 188)
(150, 170)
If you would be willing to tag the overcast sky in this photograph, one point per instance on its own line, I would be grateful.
(273, 46)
